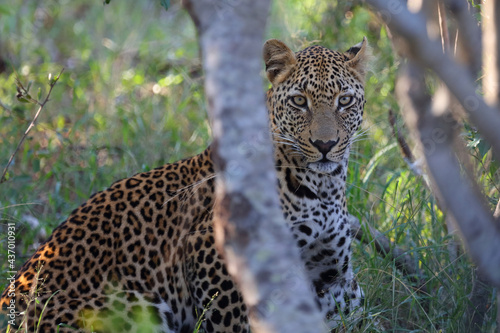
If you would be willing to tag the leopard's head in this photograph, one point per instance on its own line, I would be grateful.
(316, 102)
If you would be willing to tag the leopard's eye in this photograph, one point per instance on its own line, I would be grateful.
(299, 101)
(345, 100)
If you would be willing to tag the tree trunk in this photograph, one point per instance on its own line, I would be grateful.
(491, 76)
(437, 134)
(259, 250)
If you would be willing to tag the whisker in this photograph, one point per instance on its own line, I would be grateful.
(187, 187)
(285, 142)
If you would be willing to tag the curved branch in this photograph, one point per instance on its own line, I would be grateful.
(31, 125)
(457, 192)
(429, 53)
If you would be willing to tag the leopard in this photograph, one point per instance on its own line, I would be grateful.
(141, 256)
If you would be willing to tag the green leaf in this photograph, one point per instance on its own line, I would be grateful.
(483, 148)
(473, 142)
(5, 10)
(106, 2)
(23, 99)
(165, 4)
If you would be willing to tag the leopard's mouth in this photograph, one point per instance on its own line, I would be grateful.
(325, 166)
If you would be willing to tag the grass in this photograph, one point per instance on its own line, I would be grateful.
(131, 98)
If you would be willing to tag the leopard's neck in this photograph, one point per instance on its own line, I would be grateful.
(301, 183)
(314, 206)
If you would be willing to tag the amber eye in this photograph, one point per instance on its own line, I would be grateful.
(345, 100)
(299, 101)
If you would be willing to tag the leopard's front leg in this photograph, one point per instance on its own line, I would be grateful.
(327, 260)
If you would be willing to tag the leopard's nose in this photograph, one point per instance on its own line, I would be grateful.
(325, 147)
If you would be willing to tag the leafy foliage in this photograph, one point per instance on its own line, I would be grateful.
(131, 98)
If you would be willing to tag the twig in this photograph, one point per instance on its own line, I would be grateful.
(469, 32)
(496, 214)
(386, 248)
(32, 124)
(455, 188)
(403, 145)
(453, 245)
(443, 27)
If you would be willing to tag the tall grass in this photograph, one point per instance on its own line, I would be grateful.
(131, 98)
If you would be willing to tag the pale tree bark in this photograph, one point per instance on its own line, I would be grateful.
(458, 191)
(470, 43)
(470, 54)
(481, 289)
(491, 77)
(453, 244)
(428, 52)
(259, 250)
(491, 56)
(436, 15)
(437, 132)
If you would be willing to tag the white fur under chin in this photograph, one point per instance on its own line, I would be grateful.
(323, 167)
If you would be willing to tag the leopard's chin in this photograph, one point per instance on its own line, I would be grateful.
(326, 167)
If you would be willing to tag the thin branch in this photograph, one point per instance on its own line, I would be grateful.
(470, 33)
(457, 191)
(497, 210)
(453, 245)
(386, 248)
(429, 53)
(403, 145)
(443, 27)
(32, 124)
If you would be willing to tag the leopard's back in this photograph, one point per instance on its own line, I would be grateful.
(130, 258)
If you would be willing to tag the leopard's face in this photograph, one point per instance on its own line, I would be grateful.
(316, 102)
(144, 249)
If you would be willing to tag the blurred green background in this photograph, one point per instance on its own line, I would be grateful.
(131, 98)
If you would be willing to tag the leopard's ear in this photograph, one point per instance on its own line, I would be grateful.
(280, 61)
(358, 57)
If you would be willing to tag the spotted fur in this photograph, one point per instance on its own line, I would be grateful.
(317, 107)
(140, 256)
